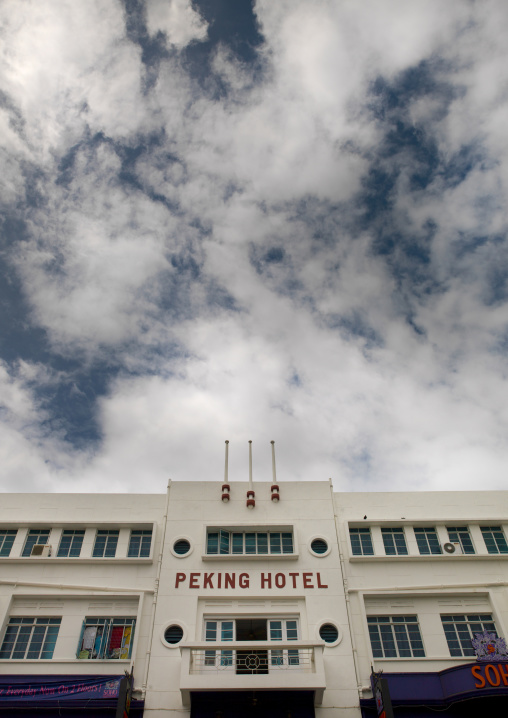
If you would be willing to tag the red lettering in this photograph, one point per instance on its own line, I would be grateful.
(243, 580)
(179, 578)
(267, 580)
(477, 673)
(229, 580)
(488, 669)
(193, 580)
(293, 576)
(504, 673)
(207, 580)
(219, 580)
(319, 584)
(307, 577)
(280, 580)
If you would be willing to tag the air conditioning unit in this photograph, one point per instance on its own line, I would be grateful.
(41, 549)
(452, 548)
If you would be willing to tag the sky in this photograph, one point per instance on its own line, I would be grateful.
(253, 220)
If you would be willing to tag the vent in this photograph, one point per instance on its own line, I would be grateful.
(173, 634)
(319, 546)
(181, 547)
(41, 549)
(329, 633)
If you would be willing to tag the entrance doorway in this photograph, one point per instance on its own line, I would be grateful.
(252, 704)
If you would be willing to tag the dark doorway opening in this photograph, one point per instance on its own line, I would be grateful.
(252, 704)
(251, 661)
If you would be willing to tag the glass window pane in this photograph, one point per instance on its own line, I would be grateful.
(287, 542)
(212, 545)
(262, 543)
(6, 540)
(250, 543)
(275, 543)
(224, 541)
(237, 543)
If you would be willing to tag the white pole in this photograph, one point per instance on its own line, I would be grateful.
(226, 464)
(250, 465)
(274, 477)
(251, 501)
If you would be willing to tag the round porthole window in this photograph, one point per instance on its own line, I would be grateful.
(329, 633)
(173, 634)
(181, 547)
(319, 546)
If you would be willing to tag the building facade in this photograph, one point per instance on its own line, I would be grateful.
(424, 574)
(240, 599)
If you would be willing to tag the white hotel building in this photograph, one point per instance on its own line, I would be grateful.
(223, 609)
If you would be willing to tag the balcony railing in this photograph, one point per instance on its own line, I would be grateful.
(252, 665)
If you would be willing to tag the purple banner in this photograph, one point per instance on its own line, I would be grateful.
(439, 689)
(58, 688)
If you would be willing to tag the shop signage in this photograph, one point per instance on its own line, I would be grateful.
(381, 696)
(57, 688)
(489, 647)
(491, 674)
(123, 704)
(214, 579)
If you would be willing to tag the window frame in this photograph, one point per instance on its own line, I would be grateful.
(142, 548)
(5, 544)
(389, 531)
(36, 535)
(48, 637)
(503, 550)
(110, 533)
(428, 529)
(249, 539)
(107, 624)
(463, 538)
(73, 549)
(359, 544)
(397, 638)
(479, 619)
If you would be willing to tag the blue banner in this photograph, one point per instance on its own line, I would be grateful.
(57, 688)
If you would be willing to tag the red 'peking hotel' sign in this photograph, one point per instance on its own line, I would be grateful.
(213, 579)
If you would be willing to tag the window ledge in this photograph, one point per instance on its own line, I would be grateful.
(73, 559)
(433, 557)
(462, 659)
(37, 661)
(250, 557)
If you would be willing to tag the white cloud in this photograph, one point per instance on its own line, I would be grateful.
(276, 163)
(177, 19)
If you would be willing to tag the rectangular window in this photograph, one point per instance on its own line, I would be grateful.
(105, 544)
(494, 538)
(219, 631)
(106, 638)
(395, 637)
(30, 638)
(140, 544)
(461, 535)
(394, 541)
(35, 536)
(256, 543)
(361, 542)
(284, 630)
(7, 537)
(460, 630)
(427, 540)
(70, 543)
